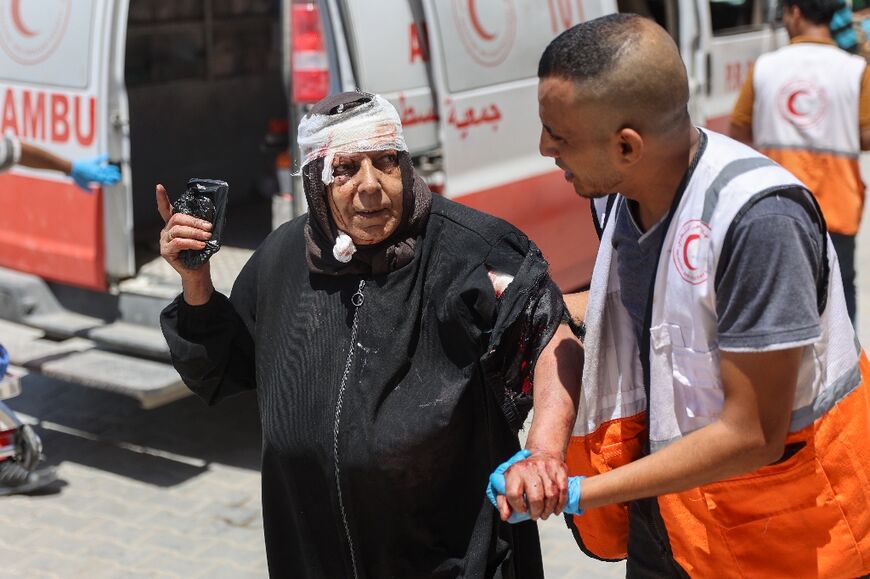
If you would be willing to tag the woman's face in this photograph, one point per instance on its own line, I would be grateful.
(366, 195)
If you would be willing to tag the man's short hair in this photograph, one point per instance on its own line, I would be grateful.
(816, 11)
(583, 52)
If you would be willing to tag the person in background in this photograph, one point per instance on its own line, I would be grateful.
(20, 447)
(807, 107)
(83, 171)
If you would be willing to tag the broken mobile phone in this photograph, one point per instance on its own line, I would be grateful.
(204, 199)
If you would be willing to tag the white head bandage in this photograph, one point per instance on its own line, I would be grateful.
(371, 126)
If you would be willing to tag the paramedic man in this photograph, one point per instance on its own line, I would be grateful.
(807, 107)
(751, 457)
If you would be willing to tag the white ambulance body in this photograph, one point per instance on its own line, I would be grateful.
(173, 89)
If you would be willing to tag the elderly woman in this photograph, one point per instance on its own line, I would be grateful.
(392, 339)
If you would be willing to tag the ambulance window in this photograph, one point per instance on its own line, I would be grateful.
(242, 7)
(665, 12)
(154, 56)
(184, 40)
(243, 50)
(736, 16)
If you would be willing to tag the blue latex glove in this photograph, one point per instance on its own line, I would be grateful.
(94, 170)
(496, 487)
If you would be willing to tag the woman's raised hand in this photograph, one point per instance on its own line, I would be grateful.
(179, 233)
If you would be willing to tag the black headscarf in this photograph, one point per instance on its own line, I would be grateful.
(321, 232)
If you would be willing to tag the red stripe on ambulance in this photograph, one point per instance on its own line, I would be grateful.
(56, 234)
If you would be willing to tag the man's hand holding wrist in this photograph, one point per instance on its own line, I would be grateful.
(530, 470)
(537, 485)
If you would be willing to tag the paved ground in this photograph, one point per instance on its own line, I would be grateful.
(171, 492)
(174, 492)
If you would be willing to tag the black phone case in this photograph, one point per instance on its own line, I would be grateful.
(204, 199)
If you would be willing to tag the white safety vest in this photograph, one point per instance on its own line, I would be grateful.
(806, 98)
(685, 382)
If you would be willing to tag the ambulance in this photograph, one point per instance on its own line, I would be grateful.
(174, 89)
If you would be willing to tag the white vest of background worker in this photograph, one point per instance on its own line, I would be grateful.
(807, 107)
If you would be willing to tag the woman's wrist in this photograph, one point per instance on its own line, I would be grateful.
(197, 290)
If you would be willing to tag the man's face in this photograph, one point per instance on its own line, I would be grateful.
(366, 195)
(576, 136)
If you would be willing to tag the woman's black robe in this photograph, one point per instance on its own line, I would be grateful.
(388, 479)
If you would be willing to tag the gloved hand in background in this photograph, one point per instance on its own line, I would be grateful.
(94, 170)
(496, 487)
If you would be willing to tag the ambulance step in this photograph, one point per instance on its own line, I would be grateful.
(152, 383)
(157, 278)
(63, 324)
(28, 347)
(142, 310)
(131, 338)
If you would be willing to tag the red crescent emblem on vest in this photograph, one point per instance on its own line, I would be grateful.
(686, 258)
(802, 102)
(690, 251)
(791, 102)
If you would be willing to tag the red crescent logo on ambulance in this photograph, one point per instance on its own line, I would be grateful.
(487, 29)
(690, 250)
(31, 30)
(802, 103)
(19, 23)
(475, 21)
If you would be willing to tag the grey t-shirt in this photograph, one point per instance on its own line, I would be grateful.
(768, 278)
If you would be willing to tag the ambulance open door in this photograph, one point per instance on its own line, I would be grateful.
(57, 74)
(484, 64)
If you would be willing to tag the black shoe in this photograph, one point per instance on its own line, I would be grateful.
(15, 479)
